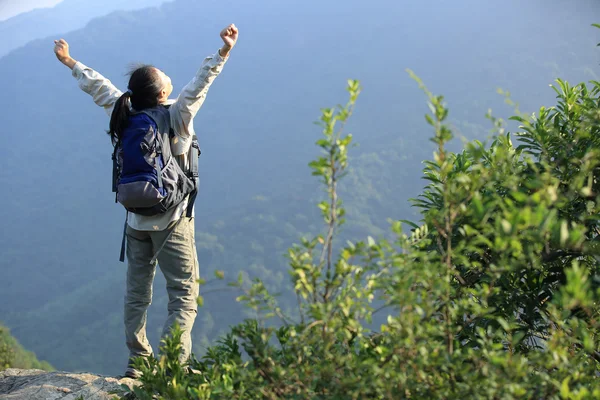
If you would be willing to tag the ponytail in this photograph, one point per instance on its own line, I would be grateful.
(144, 87)
(120, 117)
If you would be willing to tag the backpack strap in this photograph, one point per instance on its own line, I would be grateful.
(158, 173)
(115, 172)
(124, 239)
(193, 155)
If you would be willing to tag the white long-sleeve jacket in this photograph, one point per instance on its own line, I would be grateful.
(182, 111)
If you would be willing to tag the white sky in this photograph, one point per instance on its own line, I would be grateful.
(10, 8)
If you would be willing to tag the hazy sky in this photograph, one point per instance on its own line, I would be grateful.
(10, 8)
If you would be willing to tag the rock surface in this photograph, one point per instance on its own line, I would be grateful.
(34, 384)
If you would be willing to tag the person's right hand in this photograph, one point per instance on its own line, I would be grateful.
(229, 35)
(61, 49)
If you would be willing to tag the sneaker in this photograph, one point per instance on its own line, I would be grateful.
(132, 373)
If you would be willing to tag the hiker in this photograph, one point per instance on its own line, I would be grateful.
(162, 232)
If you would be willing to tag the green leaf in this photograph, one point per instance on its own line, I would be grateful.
(429, 119)
(371, 241)
(564, 388)
(506, 226)
(504, 324)
(412, 224)
(564, 232)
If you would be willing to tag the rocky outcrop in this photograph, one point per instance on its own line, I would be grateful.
(35, 384)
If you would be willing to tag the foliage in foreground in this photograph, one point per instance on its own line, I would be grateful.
(496, 295)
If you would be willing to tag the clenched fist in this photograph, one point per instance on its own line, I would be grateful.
(229, 35)
(61, 49)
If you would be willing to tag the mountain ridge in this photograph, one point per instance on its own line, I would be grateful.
(60, 19)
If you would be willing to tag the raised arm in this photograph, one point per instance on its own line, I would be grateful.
(103, 92)
(193, 94)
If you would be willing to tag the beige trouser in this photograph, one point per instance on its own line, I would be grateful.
(179, 264)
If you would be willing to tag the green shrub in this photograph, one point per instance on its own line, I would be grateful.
(495, 295)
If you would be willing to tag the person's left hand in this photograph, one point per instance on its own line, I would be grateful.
(61, 50)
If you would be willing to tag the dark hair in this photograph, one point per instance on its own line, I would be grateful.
(144, 87)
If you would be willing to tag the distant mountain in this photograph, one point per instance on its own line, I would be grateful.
(66, 16)
(61, 286)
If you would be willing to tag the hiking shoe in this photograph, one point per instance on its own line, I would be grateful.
(132, 373)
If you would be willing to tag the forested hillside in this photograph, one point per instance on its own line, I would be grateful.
(61, 288)
(13, 355)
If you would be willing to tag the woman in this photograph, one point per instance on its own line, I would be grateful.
(168, 237)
